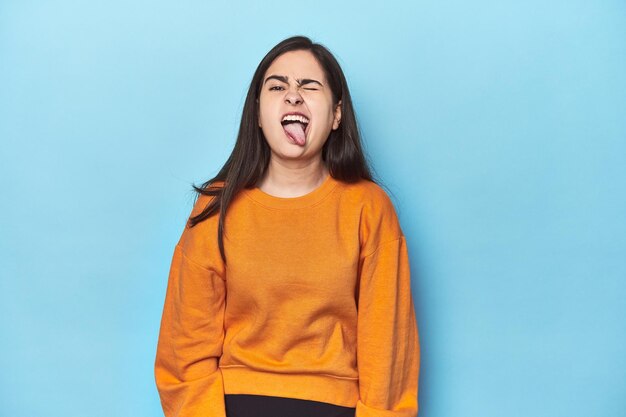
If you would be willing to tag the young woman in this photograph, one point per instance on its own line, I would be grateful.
(289, 292)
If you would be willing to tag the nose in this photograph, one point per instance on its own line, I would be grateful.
(293, 97)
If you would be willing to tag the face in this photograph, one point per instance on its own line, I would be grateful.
(295, 82)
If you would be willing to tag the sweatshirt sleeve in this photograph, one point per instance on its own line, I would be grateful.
(191, 335)
(388, 355)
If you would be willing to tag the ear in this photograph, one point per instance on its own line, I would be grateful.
(337, 116)
(259, 113)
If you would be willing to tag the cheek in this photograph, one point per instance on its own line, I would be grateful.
(265, 114)
(322, 115)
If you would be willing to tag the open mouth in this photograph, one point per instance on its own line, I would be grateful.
(297, 130)
(305, 125)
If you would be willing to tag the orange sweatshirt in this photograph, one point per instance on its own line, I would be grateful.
(315, 303)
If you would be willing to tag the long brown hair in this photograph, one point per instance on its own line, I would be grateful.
(342, 153)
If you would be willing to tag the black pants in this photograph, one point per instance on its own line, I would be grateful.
(248, 405)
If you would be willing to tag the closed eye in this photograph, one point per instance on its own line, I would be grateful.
(277, 86)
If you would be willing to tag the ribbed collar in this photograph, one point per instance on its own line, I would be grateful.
(306, 200)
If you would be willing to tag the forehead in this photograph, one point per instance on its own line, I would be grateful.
(297, 64)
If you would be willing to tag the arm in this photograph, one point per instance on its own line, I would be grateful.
(388, 355)
(191, 335)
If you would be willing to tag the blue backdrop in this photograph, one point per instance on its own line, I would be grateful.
(498, 126)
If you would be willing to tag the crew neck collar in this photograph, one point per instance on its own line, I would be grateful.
(306, 200)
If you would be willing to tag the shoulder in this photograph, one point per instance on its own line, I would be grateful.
(378, 219)
(199, 242)
(203, 200)
(371, 193)
(370, 197)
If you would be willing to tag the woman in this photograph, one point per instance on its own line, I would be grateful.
(289, 291)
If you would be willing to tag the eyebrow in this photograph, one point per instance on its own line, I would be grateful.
(286, 80)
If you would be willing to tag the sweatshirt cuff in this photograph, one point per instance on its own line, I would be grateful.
(363, 410)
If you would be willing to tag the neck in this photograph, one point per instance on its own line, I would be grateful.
(283, 181)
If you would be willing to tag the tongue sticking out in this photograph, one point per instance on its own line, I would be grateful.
(296, 132)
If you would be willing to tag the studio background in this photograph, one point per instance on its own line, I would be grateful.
(498, 126)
